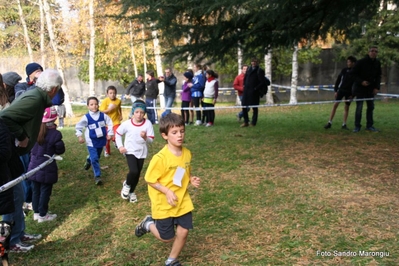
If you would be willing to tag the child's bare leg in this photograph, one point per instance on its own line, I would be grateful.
(180, 241)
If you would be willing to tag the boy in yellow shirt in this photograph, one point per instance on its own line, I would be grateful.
(168, 176)
(112, 107)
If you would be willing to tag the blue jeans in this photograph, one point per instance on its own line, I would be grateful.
(152, 114)
(168, 104)
(240, 114)
(369, 113)
(27, 184)
(18, 230)
(41, 197)
(94, 159)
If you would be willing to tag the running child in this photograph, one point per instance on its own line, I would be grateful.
(112, 107)
(96, 135)
(168, 176)
(138, 133)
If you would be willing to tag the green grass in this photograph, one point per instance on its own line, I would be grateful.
(274, 194)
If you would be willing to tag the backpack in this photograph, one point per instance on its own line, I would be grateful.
(263, 90)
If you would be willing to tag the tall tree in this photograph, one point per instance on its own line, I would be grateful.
(27, 39)
(54, 45)
(92, 50)
(268, 73)
(294, 78)
(215, 27)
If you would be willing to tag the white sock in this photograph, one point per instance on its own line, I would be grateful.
(169, 261)
(147, 225)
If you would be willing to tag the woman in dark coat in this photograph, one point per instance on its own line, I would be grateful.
(6, 197)
(49, 142)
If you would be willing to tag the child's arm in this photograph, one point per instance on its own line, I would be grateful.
(120, 112)
(110, 125)
(118, 139)
(170, 195)
(80, 126)
(195, 181)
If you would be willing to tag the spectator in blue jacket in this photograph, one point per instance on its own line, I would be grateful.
(197, 90)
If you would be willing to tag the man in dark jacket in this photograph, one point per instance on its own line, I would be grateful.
(151, 95)
(136, 89)
(24, 118)
(367, 75)
(254, 80)
(343, 88)
(170, 90)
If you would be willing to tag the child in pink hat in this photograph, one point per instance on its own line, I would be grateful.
(49, 142)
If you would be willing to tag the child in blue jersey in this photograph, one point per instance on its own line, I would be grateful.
(96, 135)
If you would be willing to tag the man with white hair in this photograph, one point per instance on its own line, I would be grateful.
(24, 118)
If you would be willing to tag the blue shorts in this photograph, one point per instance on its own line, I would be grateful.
(166, 227)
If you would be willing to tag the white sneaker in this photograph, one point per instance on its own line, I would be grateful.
(133, 198)
(27, 206)
(47, 218)
(36, 216)
(125, 191)
(198, 122)
(106, 154)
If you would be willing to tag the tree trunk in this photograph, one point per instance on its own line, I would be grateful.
(42, 29)
(294, 79)
(23, 22)
(239, 61)
(53, 43)
(144, 52)
(92, 52)
(268, 73)
(158, 61)
(132, 48)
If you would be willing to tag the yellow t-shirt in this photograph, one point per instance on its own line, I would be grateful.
(162, 169)
(115, 113)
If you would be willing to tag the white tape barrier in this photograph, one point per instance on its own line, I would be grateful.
(26, 175)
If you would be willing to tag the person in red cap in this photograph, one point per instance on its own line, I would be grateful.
(49, 142)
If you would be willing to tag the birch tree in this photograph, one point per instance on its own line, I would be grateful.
(132, 48)
(268, 72)
(92, 51)
(158, 62)
(42, 30)
(239, 63)
(54, 46)
(144, 50)
(25, 28)
(294, 77)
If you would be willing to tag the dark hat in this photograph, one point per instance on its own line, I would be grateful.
(32, 67)
(139, 104)
(188, 75)
(11, 78)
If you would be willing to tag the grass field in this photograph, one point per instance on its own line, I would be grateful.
(286, 192)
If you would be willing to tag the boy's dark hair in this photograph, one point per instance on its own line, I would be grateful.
(91, 98)
(150, 72)
(111, 88)
(169, 121)
(352, 59)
